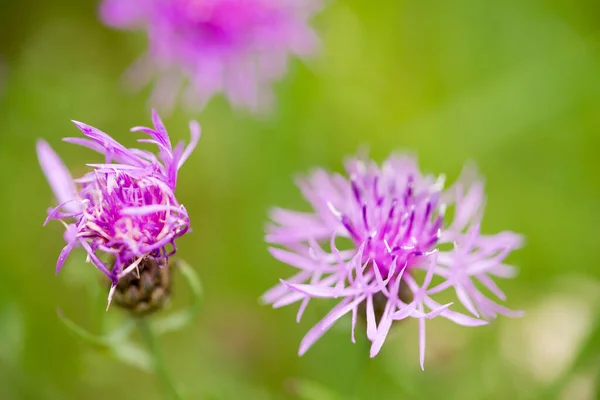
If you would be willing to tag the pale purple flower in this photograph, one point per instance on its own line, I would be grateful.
(234, 47)
(394, 219)
(125, 208)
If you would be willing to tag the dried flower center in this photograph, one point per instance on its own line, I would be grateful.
(401, 225)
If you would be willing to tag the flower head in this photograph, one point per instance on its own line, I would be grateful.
(234, 47)
(394, 219)
(125, 207)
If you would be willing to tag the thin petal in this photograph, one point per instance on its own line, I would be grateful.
(371, 322)
(323, 291)
(404, 312)
(491, 286)
(276, 292)
(430, 271)
(296, 260)
(464, 298)
(195, 133)
(454, 316)
(440, 288)
(151, 209)
(288, 299)
(434, 313)
(302, 308)
(58, 176)
(422, 343)
(354, 318)
(99, 264)
(111, 148)
(64, 253)
(342, 308)
(382, 330)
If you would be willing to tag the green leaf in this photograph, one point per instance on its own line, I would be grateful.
(115, 343)
(99, 342)
(131, 354)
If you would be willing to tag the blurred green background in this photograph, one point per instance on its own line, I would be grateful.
(512, 85)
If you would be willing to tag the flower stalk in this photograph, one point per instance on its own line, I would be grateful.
(149, 358)
(158, 362)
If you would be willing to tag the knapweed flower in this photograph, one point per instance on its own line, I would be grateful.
(397, 240)
(124, 212)
(234, 47)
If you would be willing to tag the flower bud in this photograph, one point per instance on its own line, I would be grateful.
(146, 290)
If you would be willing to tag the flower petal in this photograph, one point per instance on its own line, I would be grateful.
(382, 330)
(342, 308)
(58, 176)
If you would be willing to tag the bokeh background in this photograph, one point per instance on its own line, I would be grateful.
(511, 85)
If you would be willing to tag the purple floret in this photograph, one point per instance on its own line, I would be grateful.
(125, 207)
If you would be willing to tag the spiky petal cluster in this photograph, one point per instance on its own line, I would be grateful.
(393, 218)
(126, 207)
(234, 47)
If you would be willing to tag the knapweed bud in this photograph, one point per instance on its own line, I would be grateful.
(146, 290)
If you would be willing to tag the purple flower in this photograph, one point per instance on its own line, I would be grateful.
(392, 219)
(124, 208)
(234, 47)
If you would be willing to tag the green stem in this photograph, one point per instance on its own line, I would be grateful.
(158, 360)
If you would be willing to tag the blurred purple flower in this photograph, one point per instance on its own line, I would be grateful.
(125, 208)
(234, 47)
(394, 218)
